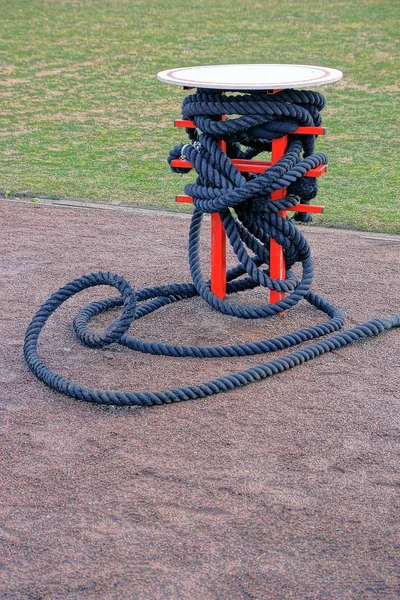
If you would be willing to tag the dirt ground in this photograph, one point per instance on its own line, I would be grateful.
(289, 488)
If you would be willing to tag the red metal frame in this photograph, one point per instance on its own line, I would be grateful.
(218, 236)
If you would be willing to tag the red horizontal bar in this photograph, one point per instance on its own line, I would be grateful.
(259, 166)
(311, 208)
(311, 130)
(251, 166)
(184, 123)
(306, 130)
(184, 198)
(308, 208)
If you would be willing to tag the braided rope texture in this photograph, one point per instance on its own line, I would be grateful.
(251, 219)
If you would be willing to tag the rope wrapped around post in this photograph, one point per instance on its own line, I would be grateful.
(250, 219)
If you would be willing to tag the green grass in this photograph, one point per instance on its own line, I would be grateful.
(84, 116)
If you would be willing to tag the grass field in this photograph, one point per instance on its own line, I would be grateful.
(84, 116)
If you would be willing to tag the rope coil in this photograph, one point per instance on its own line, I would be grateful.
(251, 219)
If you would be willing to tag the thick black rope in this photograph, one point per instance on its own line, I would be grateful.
(250, 220)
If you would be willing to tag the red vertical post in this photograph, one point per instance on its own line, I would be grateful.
(218, 247)
(277, 268)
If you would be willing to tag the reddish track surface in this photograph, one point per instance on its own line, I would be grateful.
(287, 488)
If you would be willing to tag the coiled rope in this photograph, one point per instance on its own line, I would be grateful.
(250, 220)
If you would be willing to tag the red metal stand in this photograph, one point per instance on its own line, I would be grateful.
(218, 236)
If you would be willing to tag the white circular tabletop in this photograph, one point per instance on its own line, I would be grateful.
(250, 76)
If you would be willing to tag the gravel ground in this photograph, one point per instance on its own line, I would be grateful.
(288, 488)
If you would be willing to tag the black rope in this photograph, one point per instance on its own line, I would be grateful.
(251, 219)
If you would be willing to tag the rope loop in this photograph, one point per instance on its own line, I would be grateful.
(251, 219)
